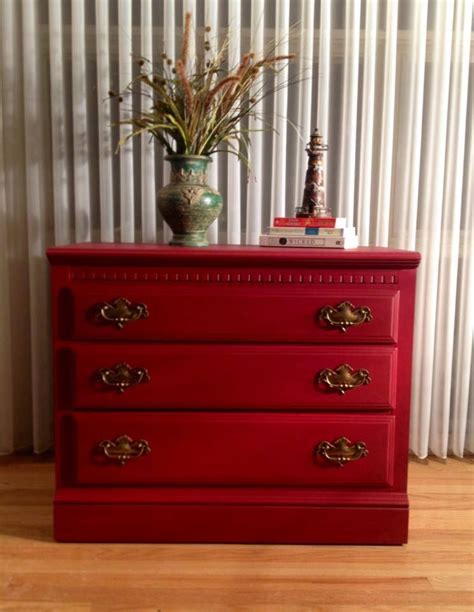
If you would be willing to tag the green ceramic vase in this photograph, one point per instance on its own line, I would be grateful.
(187, 203)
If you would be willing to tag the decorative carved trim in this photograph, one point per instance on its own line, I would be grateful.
(180, 175)
(242, 277)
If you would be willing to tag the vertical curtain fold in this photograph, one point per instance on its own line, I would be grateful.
(211, 20)
(59, 144)
(104, 134)
(450, 228)
(169, 54)
(364, 202)
(16, 420)
(462, 381)
(278, 191)
(410, 118)
(389, 85)
(430, 204)
(7, 433)
(255, 182)
(349, 111)
(324, 67)
(305, 86)
(127, 175)
(80, 131)
(382, 204)
(148, 189)
(463, 377)
(36, 159)
(233, 163)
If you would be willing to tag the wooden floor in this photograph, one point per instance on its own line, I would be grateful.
(433, 572)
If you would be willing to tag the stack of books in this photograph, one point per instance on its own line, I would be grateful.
(312, 232)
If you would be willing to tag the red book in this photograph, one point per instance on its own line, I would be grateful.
(309, 222)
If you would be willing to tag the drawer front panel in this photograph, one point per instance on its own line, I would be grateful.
(212, 312)
(227, 449)
(214, 376)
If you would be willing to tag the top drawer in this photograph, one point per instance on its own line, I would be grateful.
(217, 313)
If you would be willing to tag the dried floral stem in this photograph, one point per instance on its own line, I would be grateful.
(268, 61)
(186, 38)
(193, 111)
(229, 97)
(188, 93)
(243, 65)
(219, 87)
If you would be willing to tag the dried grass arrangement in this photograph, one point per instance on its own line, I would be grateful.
(198, 103)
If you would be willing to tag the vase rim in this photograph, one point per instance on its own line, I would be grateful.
(178, 156)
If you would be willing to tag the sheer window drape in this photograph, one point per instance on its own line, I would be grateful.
(388, 82)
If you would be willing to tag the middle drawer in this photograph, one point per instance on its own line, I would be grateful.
(180, 376)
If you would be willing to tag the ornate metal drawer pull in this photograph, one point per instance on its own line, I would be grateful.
(344, 378)
(121, 311)
(342, 451)
(345, 315)
(122, 376)
(122, 449)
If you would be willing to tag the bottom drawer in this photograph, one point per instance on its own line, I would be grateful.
(166, 448)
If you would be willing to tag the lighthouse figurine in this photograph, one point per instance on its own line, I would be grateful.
(314, 195)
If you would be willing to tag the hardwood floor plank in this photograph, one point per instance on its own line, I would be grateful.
(434, 571)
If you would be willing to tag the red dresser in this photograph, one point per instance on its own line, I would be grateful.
(232, 394)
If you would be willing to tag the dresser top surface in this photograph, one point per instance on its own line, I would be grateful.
(150, 254)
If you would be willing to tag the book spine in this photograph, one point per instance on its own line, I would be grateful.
(328, 242)
(308, 222)
(311, 231)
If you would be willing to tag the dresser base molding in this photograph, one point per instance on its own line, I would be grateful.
(230, 523)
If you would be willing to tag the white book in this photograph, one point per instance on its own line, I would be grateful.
(311, 231)
(325, 242)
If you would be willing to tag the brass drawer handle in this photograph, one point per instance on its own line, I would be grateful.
(342, 451)
(123, 448)
(122, 376)
(345, 315)
(121, 311)
(344, 378)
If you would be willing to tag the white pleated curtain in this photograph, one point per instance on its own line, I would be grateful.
(389, 84)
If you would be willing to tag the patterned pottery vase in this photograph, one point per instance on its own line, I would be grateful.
(187, 203)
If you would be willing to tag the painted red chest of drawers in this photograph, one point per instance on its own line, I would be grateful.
(232, 394)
